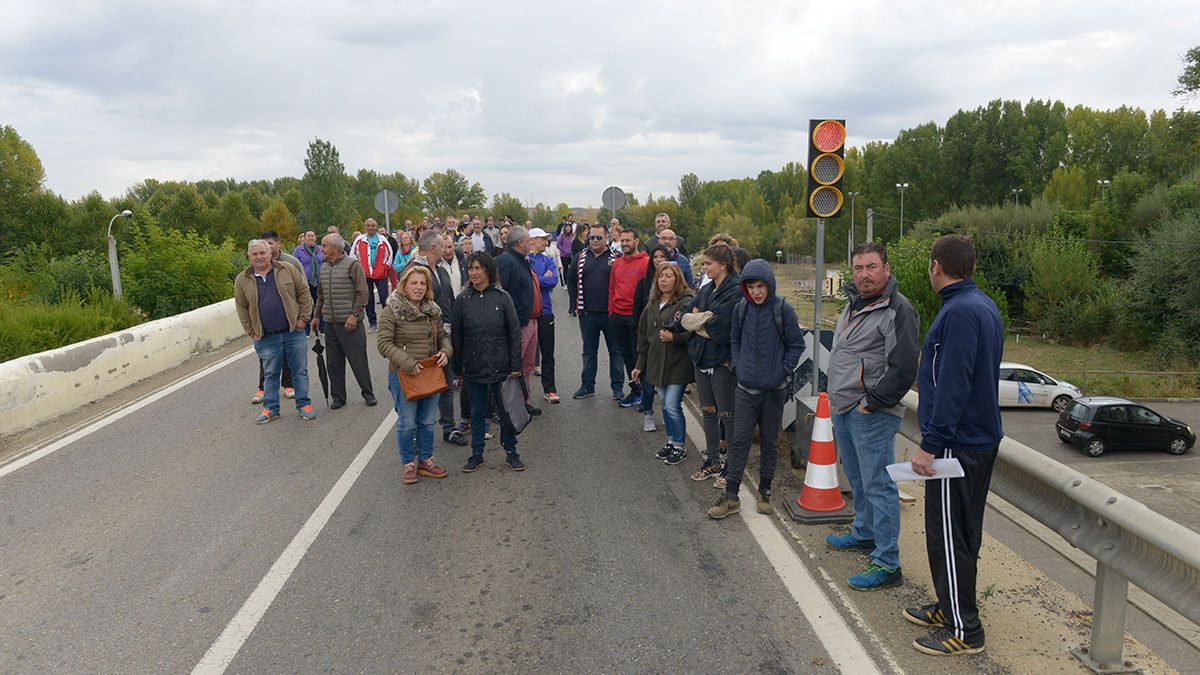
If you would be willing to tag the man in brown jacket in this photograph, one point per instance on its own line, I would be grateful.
(341, 297)
(274, 305)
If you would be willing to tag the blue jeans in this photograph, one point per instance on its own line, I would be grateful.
(478, 392)
(867, 444)
(271, 350)
(647, 405)
(591, 325)
(672, 405)
(415, 422)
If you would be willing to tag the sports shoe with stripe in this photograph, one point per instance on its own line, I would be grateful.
(846, 541)
(876, 576)
(942, 642)
(925, 615)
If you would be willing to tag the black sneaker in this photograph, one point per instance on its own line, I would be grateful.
(455, 437)
(676, 456)
(942, 642)
(514, 461)
(533, 412)
(473, 463)
(631, 400)
(618, 395)
(664, 451)
(583, 393)
(928, 616)
(496, 417)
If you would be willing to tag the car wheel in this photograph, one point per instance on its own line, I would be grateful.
(1094, 447)
(1060, 402)
(1178, 446)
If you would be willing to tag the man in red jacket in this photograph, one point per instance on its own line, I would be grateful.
(374, 253)
(627, 271)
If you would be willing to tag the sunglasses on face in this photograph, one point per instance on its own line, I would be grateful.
(595, 237)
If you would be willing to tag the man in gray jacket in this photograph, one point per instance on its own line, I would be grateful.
(341, 297)
(871, 367)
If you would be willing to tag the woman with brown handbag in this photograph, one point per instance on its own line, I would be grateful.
(414, 341)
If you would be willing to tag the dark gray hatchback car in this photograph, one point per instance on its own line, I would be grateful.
(1098, 423)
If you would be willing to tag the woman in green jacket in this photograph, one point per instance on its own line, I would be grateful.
(662, 352)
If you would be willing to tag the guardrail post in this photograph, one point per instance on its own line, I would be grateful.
(1103, 654)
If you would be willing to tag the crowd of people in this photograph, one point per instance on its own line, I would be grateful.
(474, 298)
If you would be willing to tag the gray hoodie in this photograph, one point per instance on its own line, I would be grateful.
(875, 350)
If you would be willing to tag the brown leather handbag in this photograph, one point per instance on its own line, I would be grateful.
(430, 381)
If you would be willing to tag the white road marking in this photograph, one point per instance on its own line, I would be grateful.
(223, 651)
(844, 646)
(133, 407)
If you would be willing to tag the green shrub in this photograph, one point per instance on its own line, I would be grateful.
(1064, 295)
(167, 273)
(1159, 305)
(28, 328)
(909, 259)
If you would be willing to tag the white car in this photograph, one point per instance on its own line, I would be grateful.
(1022, 386)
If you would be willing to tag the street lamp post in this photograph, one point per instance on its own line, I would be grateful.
(113, 267)
(1104, 185)
(850, 236)
(1016, 193)
(902, 187)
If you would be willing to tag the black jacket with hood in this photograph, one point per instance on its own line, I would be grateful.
(485, 335)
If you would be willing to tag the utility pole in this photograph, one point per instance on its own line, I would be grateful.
(870, 225)
(902, 187)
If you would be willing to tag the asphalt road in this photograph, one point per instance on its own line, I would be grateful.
(1167, 484)
(132, 549)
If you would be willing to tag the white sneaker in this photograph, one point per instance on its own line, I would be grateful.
(648, 424)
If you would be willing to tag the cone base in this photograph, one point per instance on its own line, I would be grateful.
(806, 517)
(821, 499)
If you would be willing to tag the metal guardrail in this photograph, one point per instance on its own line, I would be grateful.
(1129, 542)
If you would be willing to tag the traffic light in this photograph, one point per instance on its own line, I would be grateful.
(826, 167)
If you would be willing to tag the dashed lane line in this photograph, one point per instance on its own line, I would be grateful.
(227, 646)
(45, 451)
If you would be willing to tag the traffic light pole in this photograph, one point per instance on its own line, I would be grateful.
(818, 289)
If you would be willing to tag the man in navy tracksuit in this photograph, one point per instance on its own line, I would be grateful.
(959, 414)
(766, 342)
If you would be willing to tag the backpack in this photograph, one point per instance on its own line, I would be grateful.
(739, 315)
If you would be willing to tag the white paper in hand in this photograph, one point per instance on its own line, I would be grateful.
(942, 468)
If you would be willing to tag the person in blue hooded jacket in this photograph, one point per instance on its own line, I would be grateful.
(765, 344)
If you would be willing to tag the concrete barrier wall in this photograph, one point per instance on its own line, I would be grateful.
(40, 387)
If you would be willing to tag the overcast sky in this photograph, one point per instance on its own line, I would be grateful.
(547, 100)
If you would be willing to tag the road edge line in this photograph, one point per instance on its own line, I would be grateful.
(844, 647)
(226, 647)
(47, 450)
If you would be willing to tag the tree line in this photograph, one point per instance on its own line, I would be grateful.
(1074, 210)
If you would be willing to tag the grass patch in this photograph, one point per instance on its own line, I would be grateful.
(32, 327)
(1100, 370)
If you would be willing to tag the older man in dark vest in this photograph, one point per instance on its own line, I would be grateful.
(341, 298)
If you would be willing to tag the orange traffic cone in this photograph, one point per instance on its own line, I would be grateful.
(821, 492)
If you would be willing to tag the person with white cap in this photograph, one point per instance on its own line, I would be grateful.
(545, 267)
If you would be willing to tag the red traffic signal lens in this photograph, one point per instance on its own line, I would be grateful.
(829, 136)
(827, 169)
(825, 201)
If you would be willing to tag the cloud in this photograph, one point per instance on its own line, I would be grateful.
(542, 99)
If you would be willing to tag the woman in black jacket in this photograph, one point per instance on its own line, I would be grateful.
(715, 381)
(486, 339)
